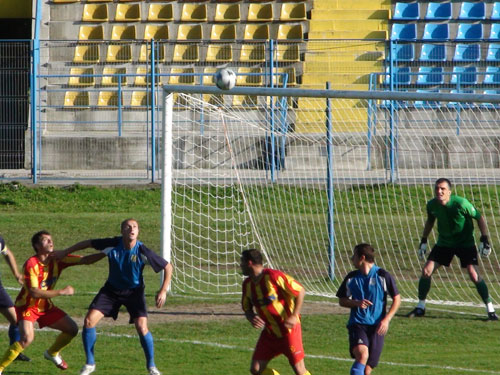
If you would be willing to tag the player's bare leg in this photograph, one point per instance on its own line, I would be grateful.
(146, 338)
(69, 330)
(360, 353)
(482, 289)
(89, 338)
(257, 367)
(300, 368)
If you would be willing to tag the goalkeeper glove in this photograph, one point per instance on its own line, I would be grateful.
(422, 248)
(484, 246)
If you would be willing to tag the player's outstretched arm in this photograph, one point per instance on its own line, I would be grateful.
(76, 247)
(46, 294)
(161, 296)
(384, 323)
(91, 259)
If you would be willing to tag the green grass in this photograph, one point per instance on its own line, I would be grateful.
(445, 342)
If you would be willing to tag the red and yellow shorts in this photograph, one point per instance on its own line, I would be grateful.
(269, 346)
(44, 318)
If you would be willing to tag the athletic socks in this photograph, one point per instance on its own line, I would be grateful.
(357, 369)
(89, 338)
(424, 285)
(148, 347)
(10, 355)
(482, 289)
(14, 334)
(62, 340)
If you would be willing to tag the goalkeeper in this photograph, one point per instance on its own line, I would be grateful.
(454, 216)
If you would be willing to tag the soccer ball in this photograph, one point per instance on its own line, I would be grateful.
(225, 79)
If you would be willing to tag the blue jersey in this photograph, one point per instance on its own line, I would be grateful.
(373, 287)
(125, 266)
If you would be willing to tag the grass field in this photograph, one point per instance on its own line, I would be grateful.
(195, 335)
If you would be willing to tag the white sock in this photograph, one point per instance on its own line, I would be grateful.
(421, 304)
(489, 307)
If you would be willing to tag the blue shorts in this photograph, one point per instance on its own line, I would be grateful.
(360, 334)
(109, 300)
(5, 300)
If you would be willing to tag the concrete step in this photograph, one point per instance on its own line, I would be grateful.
(350, 14)
(343, 66)
(354, 78)
(358, 4)
(347, 25)
(348, 34)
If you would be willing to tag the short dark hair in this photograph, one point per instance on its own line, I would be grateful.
(367, 250)
(252, 254)
(126, 220)
(36, 238)
(441, 180)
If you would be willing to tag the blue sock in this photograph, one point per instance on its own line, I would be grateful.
(89, 338)
(149, 352)
(14, 334)
(358, 369)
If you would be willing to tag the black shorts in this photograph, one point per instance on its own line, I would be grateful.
(360, 334)
(444, 255)
(5, 300)
(109, 300)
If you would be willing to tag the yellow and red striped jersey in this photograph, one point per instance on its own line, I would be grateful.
(273, 297)
(44, 277)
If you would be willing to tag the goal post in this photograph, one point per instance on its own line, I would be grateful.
(258, 167)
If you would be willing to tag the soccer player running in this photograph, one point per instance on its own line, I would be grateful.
(127, 257)
(6, 305)
(365, 292)
(272, 300)
(34, 302)
(454, 216)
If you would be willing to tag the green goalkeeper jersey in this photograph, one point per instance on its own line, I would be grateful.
(454, 220)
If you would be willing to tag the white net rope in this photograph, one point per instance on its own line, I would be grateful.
(251, 175)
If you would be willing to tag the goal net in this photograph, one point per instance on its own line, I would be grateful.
(305, 179)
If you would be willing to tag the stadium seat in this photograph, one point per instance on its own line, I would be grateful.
(182, 76)
(76, 99)
(223, 33)
(253, 53)
(119, 53)
(219, 53)
(122, 32)
(99, 1)
(245, 101)
(293, 12)
(406, 11)
(192, 12)
(464, 75)
(495, 31)
(227, 13)
(208, 76)
(461, 105)
(472, 11)
(495, 11)
(139, 99)
(433, 52)
(490, 105)
(156, 32)
(403, 52)
(493, 52)
(256, 32)
(161, 12)
(428, 75)
(287, 53)
(279, 77)
(290, 32)
(400, 76)
(76, 78)
(145, 53)
(492, 76)
(65, 1)
(186, 53)
(128, 12)
(436, 32)
(404, 31)
(86, 54)
(260, 12)
(248, 77)
(469, 32)
(467, 52)
(111, 78)
(189, 32)
(438, 11)
(424, 104)
(95, 13)
(108, 99)
(143, 75)
(91, 33)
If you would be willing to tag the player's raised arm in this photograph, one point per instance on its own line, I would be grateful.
(91, 259)
(69, 250)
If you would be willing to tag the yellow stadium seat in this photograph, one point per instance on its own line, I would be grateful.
(161, 13)
(227, 13)
(242, 79)
(65, 1)
(194, 12)
(128, 12)
(111, 78)
(78, 80)
(99, 1)
(156, 32)
(219, 53)
(90, 33)
(143, 77)
(85, 54)
(290, 32)
(95, 13)
(245, 101)
(119, 53)
(260, 12)
(208, 78)
(182, 79)
(279, 77)
(186, 53)
(108, 99)
(122, 32)
(140, 99)
(293, 12)
(253, 53)
(145, 54)
(288, 53)
(76, 99)
(189, 32)
(223, 33)
(256, 32)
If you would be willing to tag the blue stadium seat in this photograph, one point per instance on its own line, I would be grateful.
(492, 76)
(495, 11)
(490, 105)
(433, 52)
(428, 75)
(438, 11)
(464, 75)
(472, 11)
(436, 31)
(493, 52)
(403, 52)
(404, 31)
(427, 104)
(467, 52)
(495, 31)
(406, 11)
(461, 105)
(400, 76)
(469, 31)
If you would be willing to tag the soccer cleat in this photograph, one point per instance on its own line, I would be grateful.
(22, 357)
(87, 369)
(154, 371)
(56, 360)
(492, 316)
(417, 312)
